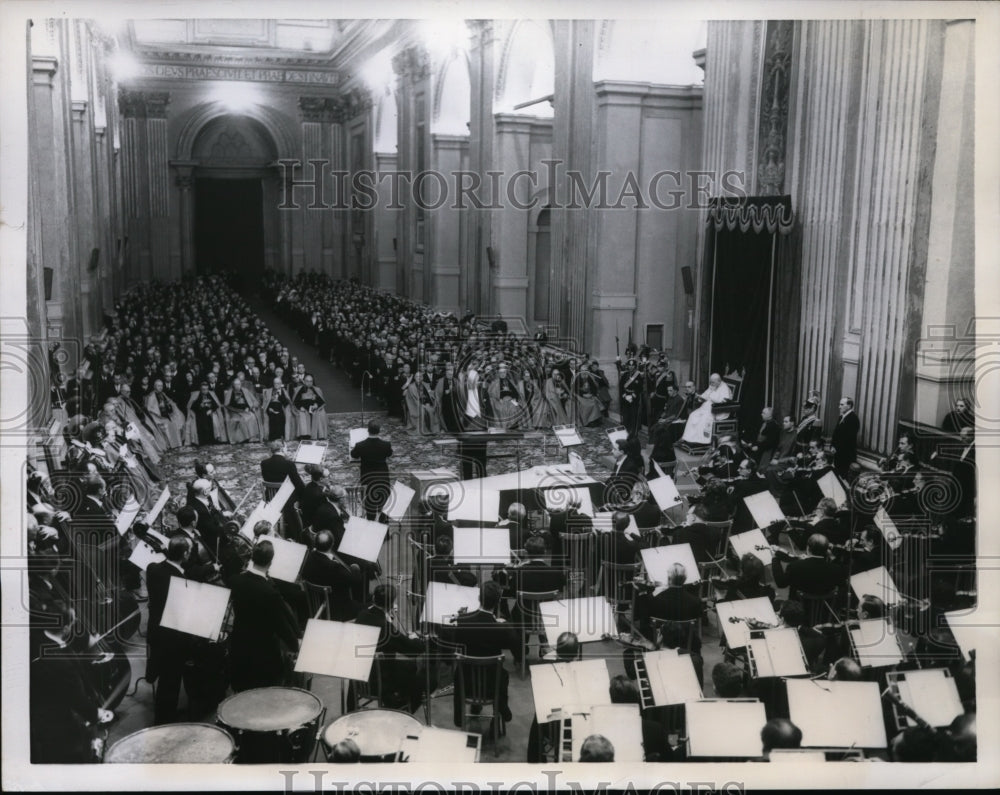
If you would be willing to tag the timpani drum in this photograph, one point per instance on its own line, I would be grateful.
(272, 724)
(378, 732)
(177, 743)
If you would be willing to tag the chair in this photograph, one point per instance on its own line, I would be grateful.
(270, 489)
(688, 630)
(477, 684)
(717, 551)
(731, 424)
(531, 618)
(814, 603)
(616, 584)
(318, 599)
(578, 554)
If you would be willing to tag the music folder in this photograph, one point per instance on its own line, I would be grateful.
(875, 582)
(310, 452)
(336, 648)
(363, 539)
(479, 545)
(836, 714)
(559, 498)
(664, 491)
(429, 744)
(875, 643)
(562, 688)
(764, 509)
(144, 554)
(354, 436)
(399, 501)
(672, 678)
(288, 557)
(776, 652)
(932, 694)
(733, 617)
(254, 516)
(616, 433)
(589, 618)
(158, 506)
(127, 515)
(272, 511)
(966, 635)
(725, 727)
(481, 506)
(658, 560)
(621, 724)
(752, 542)
(887, 528)
(445, 601)
(832, 488)
(567, 435)
(196, 608)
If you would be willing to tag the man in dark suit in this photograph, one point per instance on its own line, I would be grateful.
(330, 513)
(323, 567)
(94, 526)
(845, 437)
(275, 469)
(374, 453)
(262, 624)
(169, 649)
(402, 679)
(442, 567)
(533, 576)
(481, 634)
(767, 438)
(674, 603)
(200, 565)
(812, 575)
(312, 493)
(209, 518)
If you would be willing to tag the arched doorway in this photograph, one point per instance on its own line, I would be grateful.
(235, 223)
(543, 266)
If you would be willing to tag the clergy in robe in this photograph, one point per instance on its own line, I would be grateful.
(205, 424)
(446, 394)
(588, 407)
(277, 408)
(698, 429)
(242, 419)
(506, 399)
(163, 411)
(557, 398)
(309, 403)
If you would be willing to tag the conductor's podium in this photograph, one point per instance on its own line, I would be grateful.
(472, 448)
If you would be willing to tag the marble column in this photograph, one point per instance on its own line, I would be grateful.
(184, 180)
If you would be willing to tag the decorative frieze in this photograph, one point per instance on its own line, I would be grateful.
(242, 73)
(773, 122)
(143, 104)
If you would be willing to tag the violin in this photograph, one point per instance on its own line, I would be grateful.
(754, 623)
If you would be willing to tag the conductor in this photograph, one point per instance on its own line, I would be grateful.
(373, 453)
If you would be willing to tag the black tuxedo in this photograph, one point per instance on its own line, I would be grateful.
(673, 604)
(374, 453)
(309, 500)
(198, 566)
(480, 634)
(318, 569)
(766, 441)
(169, 650)
(808, 575)
(327, 517)
(276, 468)
(262, 622)
(402, 685)
(845, 441)
(210, 522)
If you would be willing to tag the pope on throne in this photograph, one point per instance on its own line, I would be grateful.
(698, 429)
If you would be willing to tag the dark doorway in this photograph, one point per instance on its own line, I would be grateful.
(229, 226)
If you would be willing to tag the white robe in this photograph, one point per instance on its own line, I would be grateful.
(698, 429)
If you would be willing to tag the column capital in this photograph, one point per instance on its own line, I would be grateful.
(413, 63)
(320, 109)
(43, 69)
(143, 104)
(79, 109)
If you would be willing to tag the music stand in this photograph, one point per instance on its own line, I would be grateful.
(429, 744)
(616, 433)
(479, 506)
(195, 608)
(255, 516)
(836, 714)
(161, 501)
(658, 560)
(399, 501)
(603, 523)
(363, 539)
(931, 693)
(144, 554)
(127, 515)
(272, 511)
(567, 435)
(664, 491)
(764, 509)
(776, 652)
(444, 601)
(560, 689)
(966, 635)
(590, 618)
(725, 728)
(876, 582)
(738, 632)
(832, 488)
(288, 557)
(561, 496)
(355, 435)
(752, 542)
(875, 644)
(670, 676)
(887, 528)
(336, 648)
(481, 545)
(310, 452)
(621, 724)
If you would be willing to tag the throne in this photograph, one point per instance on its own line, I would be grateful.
(726, 416)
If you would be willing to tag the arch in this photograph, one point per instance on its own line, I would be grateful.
(452, 97)
(234, 139)
(527, 69)
(386, 121)
(276, 125)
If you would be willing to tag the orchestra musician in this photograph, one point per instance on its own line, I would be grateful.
(323, 567)
(811, 574)
(724, 461)
(200, 563)
(274, 469)
(534, 574)
(374, 453)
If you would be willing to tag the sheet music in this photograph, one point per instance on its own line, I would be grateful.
(887, 528)
(444, 601)
(875, 582)
(476, 545)
(837, 714)
(966, 635)
(744, 543)
(474, 505)
(576, 463)
(561, 496)
(158, 506)
(272, 511)
(738, 633)
(614, 434)
(621, 724)
(363, 539)
(672, 677)
(288, 557)
(567, 435)
(310, 452)
(777, 652)
(932, 694)
(764, 509)
(589, 618)
(354, 436)
(196, 608)
(664, 491)
(399, 501)
(831, 487)
(254, 516)
(429, 744)
(658, 560)
(560, 688)
(876, 644)
(127, 515)
(721, 727)
(335, 648)
(144, 554)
